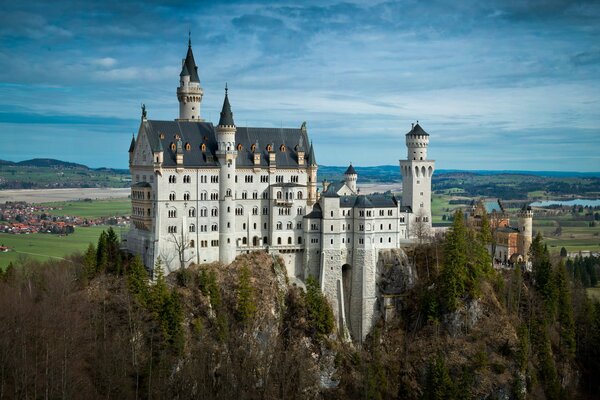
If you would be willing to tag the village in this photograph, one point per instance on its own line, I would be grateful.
(22, 218)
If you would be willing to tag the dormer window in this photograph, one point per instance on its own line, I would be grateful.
(173, 147)
(269, 148)
(239, 147)
(203, 147)
(188, 146)
(282, 148)
(162, 135)
(176, 137)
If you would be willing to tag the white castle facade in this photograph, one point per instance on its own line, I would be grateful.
(203, 193)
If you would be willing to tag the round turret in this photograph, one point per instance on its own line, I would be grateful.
(189, 92)
(525, 230)
(350, 178)
(417, 141)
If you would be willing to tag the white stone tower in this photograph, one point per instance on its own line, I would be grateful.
(350, 177)
(525, 231)
(416, 172)
(312, 177)
(227, 153)
(189, 92)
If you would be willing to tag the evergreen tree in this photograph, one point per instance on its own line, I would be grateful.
(246, 305)
(137, 280)
(454, 273)
(438, 385)
(115, 264)
(89, 260)
(542, 274)
(563, 252)
(101, 253)
(565, 311)
(319, 312)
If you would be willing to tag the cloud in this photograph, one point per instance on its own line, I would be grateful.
(105, 62)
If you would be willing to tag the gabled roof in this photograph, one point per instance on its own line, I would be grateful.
(199, 133)
(350, 171)
(189, 64)
(369, 201)
(417, 130)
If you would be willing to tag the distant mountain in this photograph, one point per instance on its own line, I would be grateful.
(4, 162)
(50, 163)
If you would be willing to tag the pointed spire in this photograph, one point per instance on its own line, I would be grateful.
(311, 155)
(226, 114)
(132, 145)
(190, 64)
(350, 170)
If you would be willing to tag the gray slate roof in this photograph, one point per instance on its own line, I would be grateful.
(132, 145)
(226, 114)
(417, 130)
(369, 201)
(316, 213)
(189, 66)
(197, 133)
(350, 171)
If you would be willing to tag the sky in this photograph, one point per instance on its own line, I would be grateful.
(498, 84)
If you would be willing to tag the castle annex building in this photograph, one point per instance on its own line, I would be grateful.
(203, 193)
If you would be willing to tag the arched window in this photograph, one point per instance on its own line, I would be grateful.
(299, 195)
(279, 226)
(173, 147)
(214, 212)
(203, 148)
(269, 148)
(289, 240)
(290, 225)
(192, 212)
(244, 240)
(239, 147)
(192, 244)
(186, 196)
(282, 148)
(192, 228)
(299, 239)
(278, 240)
(279, 195)
(253, 147)
(188, 146)
(172, 196)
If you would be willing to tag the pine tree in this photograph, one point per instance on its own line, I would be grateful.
(102, 253)
(319, 312)
(246, 305)
(89, 261)
(137, 280)
(565, 311)
(454, 273)
(115, 264)
(438, 385)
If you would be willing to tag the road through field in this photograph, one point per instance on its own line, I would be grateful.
(49, 195)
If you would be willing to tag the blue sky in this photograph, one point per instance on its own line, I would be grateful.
(511, 84)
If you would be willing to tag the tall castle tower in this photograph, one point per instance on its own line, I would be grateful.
(416, 172)
(227, 153)
(312, 176)
(189, 92)
(525, 231)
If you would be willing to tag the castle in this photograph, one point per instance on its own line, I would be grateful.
(202, 193)
(510, 245)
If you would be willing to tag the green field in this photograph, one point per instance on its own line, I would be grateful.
(93, 209)
(41, 246)
(440, 206)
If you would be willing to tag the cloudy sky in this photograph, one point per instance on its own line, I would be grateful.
(512, 84)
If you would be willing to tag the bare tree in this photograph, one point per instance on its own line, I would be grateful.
(182, 243)
(420, 228)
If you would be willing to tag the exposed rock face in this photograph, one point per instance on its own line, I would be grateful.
(396, 272)
(464, 319)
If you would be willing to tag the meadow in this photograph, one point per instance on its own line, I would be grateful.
(42, 246)
(92, 209)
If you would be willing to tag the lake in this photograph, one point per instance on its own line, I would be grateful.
(570, 203)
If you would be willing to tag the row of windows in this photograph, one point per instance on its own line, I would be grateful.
(204, 243)
(139, 195)
(138, 211)
(150, 177)
(360, 240)
(289, 225)
(289, 195)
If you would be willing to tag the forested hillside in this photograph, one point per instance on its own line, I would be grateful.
(94, 324)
